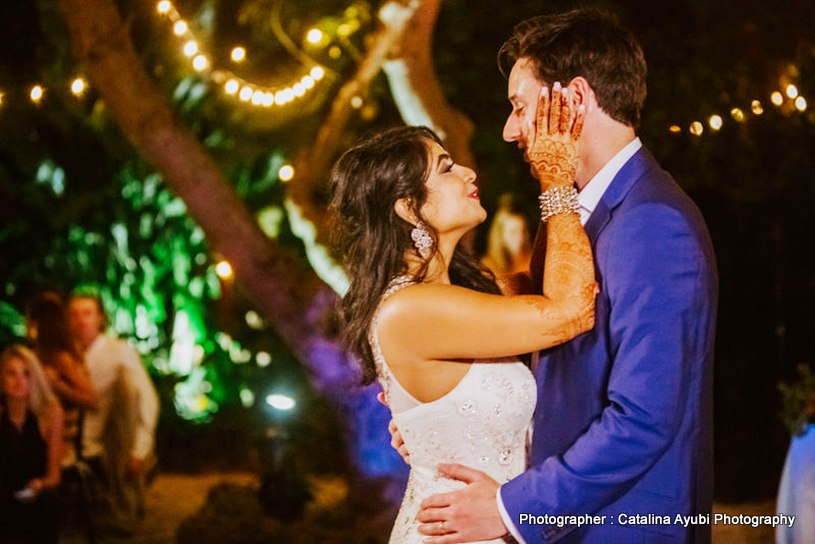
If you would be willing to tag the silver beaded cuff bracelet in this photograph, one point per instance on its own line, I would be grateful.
(558, 200)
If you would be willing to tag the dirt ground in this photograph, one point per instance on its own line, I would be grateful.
(174, 497)
(171, 498)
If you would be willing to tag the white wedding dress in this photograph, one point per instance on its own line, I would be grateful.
(481, 423)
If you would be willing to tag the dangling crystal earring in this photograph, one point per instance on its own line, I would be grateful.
(421, 239)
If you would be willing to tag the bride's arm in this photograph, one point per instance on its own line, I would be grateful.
(519, 283)
(431, 321)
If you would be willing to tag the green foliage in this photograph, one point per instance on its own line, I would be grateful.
(798, 400)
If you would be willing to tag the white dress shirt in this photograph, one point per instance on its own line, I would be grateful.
(588, 199)
(108, 360)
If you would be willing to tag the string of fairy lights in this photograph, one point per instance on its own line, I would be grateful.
(240, 89)
(794, 101)
(232, 84)
(266, 97)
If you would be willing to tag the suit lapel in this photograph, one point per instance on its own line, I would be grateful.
(637, 165)
(599, 217)
(640, 163)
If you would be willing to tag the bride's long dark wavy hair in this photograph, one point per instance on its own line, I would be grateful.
(373, 240)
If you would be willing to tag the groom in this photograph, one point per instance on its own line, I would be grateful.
(622, 433)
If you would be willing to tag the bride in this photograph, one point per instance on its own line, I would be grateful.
(429, 323)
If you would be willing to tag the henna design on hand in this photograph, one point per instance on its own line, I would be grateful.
(552, 151)
(569, 285)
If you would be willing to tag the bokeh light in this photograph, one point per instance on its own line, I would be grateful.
(238, 54)
(286, 172)
(77, 86)
(223, 269)
(314, 36)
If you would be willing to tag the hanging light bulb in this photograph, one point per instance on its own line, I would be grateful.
(676, 129)
(286, 172)
(737, 114)
(200, 63)
(317, 73)
(777, 98)
(164, 6)
(180, 28)
(238, 54)
(231, 86)
(190, 48)
(792, 91)
(715, 122)
(757, 107)
(223, 269)
(696, 128)
(246, 93)
(77, 86)
(801, 103)
(36, 93)
(314, 36)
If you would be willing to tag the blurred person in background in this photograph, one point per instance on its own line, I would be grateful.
(63, 365)
(31, 422)
(119, 437)
(509, 248)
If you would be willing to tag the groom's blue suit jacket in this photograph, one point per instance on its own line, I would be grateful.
(624, 419)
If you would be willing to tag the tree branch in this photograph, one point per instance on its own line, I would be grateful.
(275, 280)
(314, 163)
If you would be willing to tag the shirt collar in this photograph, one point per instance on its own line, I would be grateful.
(97, 343)
(596, 187)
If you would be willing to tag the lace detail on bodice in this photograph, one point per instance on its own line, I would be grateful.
(481, 423)
(397, 397)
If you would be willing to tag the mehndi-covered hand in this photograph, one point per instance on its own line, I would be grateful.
(552, 152)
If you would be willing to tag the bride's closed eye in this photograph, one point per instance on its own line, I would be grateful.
(446, 166)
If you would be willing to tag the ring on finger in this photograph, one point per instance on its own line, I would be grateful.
(441, 528)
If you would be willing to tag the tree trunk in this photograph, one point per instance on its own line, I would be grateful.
(416, 88)
(314, 163)
(275, 280)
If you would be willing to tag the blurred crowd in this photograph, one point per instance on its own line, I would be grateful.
(78, 414)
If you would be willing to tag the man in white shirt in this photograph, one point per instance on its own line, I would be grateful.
(120, 434)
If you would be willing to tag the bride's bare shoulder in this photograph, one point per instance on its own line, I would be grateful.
(419, 300)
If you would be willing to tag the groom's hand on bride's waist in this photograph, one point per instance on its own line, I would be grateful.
(396, 437)
(465, 515)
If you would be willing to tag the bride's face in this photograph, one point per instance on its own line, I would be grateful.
(452, 204)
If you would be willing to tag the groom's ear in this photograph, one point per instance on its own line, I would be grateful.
(403, 209)
(580, 89)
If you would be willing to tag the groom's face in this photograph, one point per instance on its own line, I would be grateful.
(523, 90)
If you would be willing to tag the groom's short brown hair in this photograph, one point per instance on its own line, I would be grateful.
(588, 43)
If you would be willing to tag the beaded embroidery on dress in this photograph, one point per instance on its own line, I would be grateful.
(481, 423)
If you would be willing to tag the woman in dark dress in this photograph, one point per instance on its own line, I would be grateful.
(30, 450)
